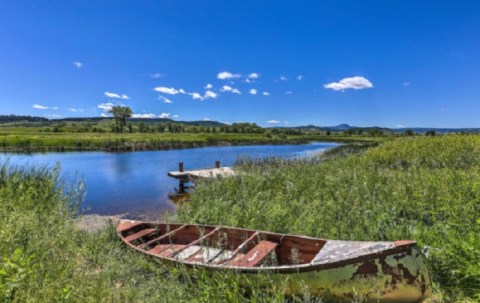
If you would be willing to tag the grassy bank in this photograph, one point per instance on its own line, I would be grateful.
(414, 188)
(425, 189)
(12, 141)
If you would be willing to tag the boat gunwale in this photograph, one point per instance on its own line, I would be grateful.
(401, 246)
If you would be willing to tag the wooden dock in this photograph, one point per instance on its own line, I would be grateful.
(212, 173)
(185, 176)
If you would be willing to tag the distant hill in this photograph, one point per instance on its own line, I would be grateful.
(344, 127)
(15, 118)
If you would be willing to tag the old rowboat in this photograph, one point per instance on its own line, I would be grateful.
(342, 270)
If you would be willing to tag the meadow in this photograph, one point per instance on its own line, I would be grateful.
(421, 188)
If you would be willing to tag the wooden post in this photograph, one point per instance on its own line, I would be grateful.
(180, 166)
(181, 187)
(217, 164)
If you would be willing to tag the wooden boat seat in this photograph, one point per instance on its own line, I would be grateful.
(140, 234)
(254, 256)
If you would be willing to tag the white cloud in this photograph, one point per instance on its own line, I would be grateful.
(196, 96)
(116, 96)
(400, 126)
(236, 91)
(164, 115)
(77, 64)
(144, 116)
(176, 116)
(273, 121)
(106, 106)
(206, 119)
(300, 77)
(210, 94)
(38, 106)
(252, 91)
(104, 115)
(164, 100)
(356, 82)
(283, 78)
(54, 116)
(249, 81)
(208, 86)
(253, 76)
(75, 110)
(288, 92)
(227, 75)
(157, 75)
(182, 91)
(266, 93)
(167, 90)
(226, 88)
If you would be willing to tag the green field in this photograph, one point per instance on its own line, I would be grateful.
(422, 188)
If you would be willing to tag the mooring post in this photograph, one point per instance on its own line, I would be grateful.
(180, 166)
(181, 187)
(217, 164)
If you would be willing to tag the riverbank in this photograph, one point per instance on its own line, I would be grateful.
(59, 142)
(422, 188)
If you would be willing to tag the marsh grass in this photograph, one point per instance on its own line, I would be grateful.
(427, 189)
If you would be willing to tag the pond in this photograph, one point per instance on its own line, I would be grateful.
(136, 183)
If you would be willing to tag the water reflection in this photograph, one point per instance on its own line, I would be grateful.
(136, 183)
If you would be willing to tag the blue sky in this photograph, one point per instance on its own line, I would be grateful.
(386, 63)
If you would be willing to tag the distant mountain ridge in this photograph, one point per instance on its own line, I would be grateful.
(344, 127)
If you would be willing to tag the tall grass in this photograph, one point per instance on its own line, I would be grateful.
(427, 189)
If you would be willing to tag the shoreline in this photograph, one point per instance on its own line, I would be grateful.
(131, 146)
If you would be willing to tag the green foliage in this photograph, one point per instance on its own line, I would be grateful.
(422, 188)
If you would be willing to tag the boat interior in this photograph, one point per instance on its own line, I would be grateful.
(219, 246)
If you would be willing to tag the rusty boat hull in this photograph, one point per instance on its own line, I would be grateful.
(339, 270)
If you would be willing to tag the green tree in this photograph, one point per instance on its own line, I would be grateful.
(409, 132)
(121, 115)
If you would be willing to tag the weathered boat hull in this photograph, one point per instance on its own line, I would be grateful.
(343, 271)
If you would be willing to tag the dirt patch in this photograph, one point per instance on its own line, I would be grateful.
(94, 223)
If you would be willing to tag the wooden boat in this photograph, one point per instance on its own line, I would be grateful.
(340, 270)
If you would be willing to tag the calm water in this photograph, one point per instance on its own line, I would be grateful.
(136, 183)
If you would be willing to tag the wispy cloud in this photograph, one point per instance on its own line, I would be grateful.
(164, 100)
(356, 83)
(38, 106)
(253, 76)
(206, 119)
(175, 116)
(75, 110)
(236, 91)
(283, 78)
(300, 77)
(157, 75)
(273, 121)
(77, 64)
(164, 115)
(42, 107)
(266, 93)
(252, 91)
(144, 116)
(227, 75)
(105, 115)
(208, 86)
(166, 90)
(116, 96)
(105, 106)
(288, 92)
(226, 88)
